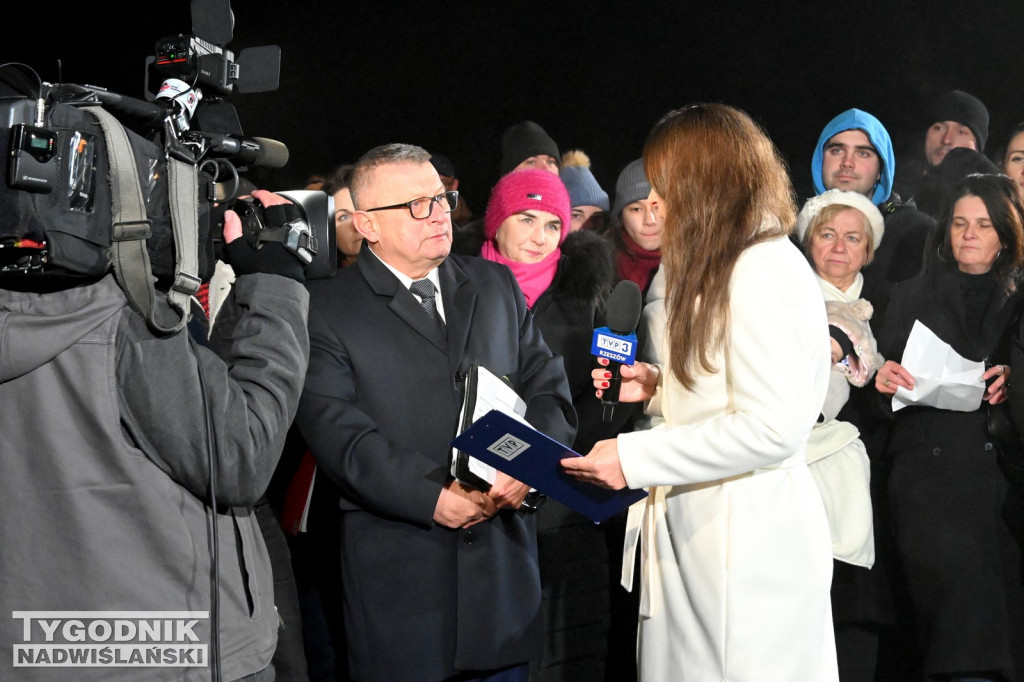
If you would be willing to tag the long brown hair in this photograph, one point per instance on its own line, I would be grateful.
(725, 188)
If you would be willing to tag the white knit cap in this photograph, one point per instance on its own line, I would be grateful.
(855, 200)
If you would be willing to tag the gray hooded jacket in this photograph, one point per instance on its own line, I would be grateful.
(104, 465)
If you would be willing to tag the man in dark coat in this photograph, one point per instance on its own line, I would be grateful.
(953, 119)
(440, 580)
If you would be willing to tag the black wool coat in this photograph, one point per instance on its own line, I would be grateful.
(902, 253)
(948, 493)
(378, 410)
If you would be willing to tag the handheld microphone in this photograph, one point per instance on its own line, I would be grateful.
(249, 151)
(617, 342)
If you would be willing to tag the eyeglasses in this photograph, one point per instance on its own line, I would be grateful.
(422, 207)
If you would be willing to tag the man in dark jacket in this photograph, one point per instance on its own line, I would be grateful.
(115, 439)
(440, 580)
(527, 145)
(953, 119)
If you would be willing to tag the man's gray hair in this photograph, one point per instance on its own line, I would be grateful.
(385, 154)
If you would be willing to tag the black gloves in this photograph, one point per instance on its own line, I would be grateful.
(261, 247)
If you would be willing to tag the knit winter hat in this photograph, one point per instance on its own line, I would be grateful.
(443, 165)
(581, 183)
(524, 190)
(523, 140)
(965, 109)
(631, 186)
(856, 200)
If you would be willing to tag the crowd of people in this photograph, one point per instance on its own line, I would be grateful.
(818, 413)
(735, 387)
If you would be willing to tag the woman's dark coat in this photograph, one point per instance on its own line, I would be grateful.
(948, 492)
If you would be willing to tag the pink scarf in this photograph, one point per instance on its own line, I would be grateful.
(534, 278)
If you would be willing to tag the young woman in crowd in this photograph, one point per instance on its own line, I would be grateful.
(636, 229)
(1013, 157)
(349, 240)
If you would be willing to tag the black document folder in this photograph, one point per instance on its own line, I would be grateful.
(531, 457)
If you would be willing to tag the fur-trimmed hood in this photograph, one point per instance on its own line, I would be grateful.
(586, 270)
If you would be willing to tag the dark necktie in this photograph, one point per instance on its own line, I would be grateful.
(425, 289)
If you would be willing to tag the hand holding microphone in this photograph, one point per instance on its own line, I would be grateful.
(615, 345)
(638, 382)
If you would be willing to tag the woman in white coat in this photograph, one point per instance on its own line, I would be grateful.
(736, 555)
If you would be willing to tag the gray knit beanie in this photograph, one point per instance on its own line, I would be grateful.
(631, 186)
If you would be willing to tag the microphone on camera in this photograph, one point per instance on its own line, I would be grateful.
(617, 342)
(149, 113)
(249, 151)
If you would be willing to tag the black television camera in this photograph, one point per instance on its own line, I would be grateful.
(95, 180)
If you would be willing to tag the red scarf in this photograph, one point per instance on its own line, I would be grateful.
(635, 263)
(534, 278)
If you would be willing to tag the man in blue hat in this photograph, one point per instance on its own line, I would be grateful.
(855, 153)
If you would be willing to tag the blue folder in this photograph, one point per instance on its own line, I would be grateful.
(531, 457)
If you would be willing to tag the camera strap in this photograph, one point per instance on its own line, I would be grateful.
(132, 227)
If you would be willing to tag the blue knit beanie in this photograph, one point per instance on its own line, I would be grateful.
(580, 181)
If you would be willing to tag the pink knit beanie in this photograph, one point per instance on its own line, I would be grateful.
(524, 190)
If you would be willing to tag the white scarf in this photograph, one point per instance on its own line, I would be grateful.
(834, 293)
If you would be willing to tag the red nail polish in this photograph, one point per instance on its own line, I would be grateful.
(607, 375)
(604, 384)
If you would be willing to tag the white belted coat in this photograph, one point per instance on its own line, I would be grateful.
(736, 554)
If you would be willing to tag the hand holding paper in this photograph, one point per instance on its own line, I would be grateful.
(891, 376)
(1000, 381)
(942, 377)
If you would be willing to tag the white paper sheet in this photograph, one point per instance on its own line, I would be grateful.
(942, 377)
(493, 394)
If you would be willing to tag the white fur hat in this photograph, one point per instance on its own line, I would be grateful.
(856, 200)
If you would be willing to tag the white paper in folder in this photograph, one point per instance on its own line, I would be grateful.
(484, 392)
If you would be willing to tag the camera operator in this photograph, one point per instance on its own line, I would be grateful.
(115, 439)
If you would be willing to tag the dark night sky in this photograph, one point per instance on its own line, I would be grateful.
(596, 75)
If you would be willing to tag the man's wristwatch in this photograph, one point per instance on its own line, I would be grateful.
(534, 500)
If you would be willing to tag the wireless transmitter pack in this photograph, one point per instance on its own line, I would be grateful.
(33, 164)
